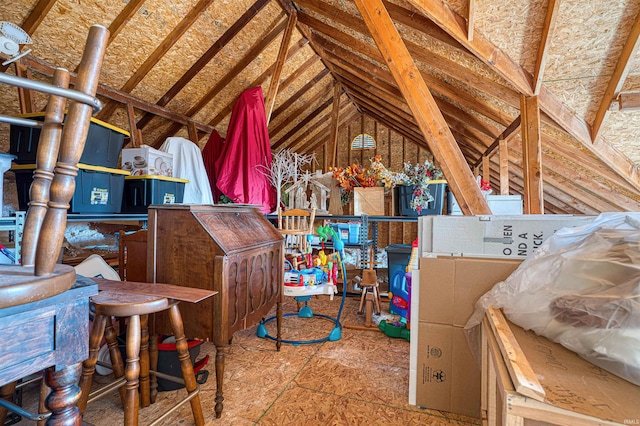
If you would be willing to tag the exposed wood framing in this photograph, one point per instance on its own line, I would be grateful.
(471, 19)
(24, 96)
(270, 98)
(441, 142)
(335, 115)
(509, 132)
(531, 155)
(504, 167)
(170, 40)
(547, 30)
(617, 79)
(37, 15)
(215, 48)
(629, 101)
(42, 67)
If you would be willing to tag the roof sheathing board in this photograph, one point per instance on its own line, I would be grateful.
(205, 31)
(513, 26)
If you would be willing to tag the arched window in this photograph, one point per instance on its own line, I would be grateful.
(363, 141)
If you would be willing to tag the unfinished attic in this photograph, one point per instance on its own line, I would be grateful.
(529, 106)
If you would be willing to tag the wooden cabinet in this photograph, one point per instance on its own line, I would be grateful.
(233, 250)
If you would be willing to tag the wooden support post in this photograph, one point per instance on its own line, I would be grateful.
(486, 168)
(335, 118)
(531, 155)
(432, 124)
(193, 132)
(131, 116)
(24, 95)
(504, 167)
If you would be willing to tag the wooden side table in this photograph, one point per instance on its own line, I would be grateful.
(50, 334)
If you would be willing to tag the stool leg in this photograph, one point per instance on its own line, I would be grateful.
(362, 297)
(185, 363)
(132, 372)
(89, 366)
(145, 398)
(115, 355)
(62, 401)
(376, 298)
(369, 308)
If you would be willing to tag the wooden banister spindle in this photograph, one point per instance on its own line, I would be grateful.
(74, 136)
(47, 155)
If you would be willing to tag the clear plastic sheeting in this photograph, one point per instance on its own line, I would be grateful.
(581, 289)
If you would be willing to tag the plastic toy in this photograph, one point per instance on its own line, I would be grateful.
(394, 329)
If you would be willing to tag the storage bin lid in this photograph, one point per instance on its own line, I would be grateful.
(93, 120)
(157, 177)
(80, 166)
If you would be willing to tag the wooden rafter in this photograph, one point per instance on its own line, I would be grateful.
(450, 21)
(311, 100)
(504, 136)
(270, 98)
(248, 57)
(170, 40)
(207, 57)
(447, 19)
(37, 15)
(617, 79)
(548, 28)
(441, 142)
(296, 48)
(46, 69)
(471, 19)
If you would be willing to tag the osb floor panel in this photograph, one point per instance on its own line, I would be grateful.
(361, 379)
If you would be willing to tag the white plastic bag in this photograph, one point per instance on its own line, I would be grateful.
(581, 288)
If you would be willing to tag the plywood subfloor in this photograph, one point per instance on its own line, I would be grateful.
(361, 379)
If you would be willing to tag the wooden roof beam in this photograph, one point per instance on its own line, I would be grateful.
(169, 41)
(531, 155)
(207, 56)
(617, 79)
(433, 126)
(548, 28)
(270, 98)
(508, 133)
(450, 21)
(250, 56)
(262, 77)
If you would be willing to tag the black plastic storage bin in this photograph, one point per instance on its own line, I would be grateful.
(103, 146)
(98, 189)
(168, 363)
(141, 191)
(404, 193)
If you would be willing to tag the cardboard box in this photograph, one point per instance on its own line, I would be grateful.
(147, 161)
(369, 201)
(442, 370)
(490, 236)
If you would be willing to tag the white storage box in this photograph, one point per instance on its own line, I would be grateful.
(489, 236)
(147, 161)
(499, 204)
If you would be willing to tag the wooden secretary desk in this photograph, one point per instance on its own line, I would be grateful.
(231, 249)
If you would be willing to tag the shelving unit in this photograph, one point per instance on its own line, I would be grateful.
(15, 225)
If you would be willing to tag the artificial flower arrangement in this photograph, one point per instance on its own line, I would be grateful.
(418, 176)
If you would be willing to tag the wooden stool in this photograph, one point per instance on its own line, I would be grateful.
(370, 293)
(136, 307)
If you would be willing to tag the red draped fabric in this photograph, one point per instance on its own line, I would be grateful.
(210, 155)
(247, 146)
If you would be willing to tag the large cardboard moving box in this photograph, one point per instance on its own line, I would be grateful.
(490, 236)
(443, 372)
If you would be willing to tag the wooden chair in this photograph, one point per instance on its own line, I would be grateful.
(295, 225)
(39, 283)
(370, 297)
